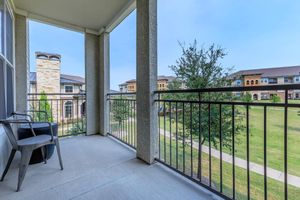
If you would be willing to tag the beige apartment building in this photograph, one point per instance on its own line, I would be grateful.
(65, 93)
(162, 84)
(268, 76)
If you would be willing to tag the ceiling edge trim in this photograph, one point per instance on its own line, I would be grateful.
(119, 17)
(51, 21)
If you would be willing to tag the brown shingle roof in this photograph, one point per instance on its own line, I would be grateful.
(64, 79)
(168, 78)
(270, 72)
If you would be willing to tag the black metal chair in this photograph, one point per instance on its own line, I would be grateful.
(26, 146)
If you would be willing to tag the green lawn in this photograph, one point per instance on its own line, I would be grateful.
(275, 188)
(275, 137)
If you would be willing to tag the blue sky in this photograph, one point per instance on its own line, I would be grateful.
(254, 33)
(69, 44)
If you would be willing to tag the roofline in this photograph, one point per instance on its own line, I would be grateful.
(159, 79)
(77, 82)
(34, 82)
(267, 68)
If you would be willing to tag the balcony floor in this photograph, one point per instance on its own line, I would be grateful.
(98, 168)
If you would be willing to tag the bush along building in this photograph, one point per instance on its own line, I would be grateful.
(64, 93)
(268, 76)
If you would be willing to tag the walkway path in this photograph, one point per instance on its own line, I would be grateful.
(253, 167)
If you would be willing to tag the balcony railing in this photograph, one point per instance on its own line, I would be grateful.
(223, 138)
(232, 145)
(122, 117)
(68, 110)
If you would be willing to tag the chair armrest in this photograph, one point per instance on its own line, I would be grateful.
(22, 114)
(19, 121)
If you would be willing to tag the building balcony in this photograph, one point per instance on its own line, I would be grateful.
(183, 144)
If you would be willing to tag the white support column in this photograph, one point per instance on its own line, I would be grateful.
(147, 131)
(92, 83)
(104, 82)
(22, 62)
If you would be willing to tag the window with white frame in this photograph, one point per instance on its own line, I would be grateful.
(68, 88)
(68, 109)
(6, 60)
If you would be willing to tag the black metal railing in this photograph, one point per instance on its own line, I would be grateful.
(233, 145)
(68, 110)
(122, 117)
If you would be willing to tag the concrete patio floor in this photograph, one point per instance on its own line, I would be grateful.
(98, 168)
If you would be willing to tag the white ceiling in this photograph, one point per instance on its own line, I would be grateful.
(86, 14)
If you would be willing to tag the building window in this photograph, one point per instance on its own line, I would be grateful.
(83, 109)
(297, 79)
(252, 82)
(255, 97)
(286, 80)
(247, 82)
(68, 109)
(9, 90)
(68, 89)
(273, 81)
(9, 36)
(2, 92)
(264, 96)
(2, 26)
(256, 82)
(6, 61)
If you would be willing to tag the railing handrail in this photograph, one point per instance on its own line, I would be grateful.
(71, 94)
(234, 89)
(222, 89)
(121, 93)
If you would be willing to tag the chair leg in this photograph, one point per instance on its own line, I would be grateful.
(26, 153)
(11, 157)
(58, 153)
(44, 154)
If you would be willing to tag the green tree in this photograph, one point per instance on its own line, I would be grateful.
(247, 98)
(275, 99)
(44, 105)
(202, 69)
(120, 110)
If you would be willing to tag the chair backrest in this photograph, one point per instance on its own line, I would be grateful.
(9, 132)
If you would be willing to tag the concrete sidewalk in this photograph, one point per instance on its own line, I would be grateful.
(253, 167)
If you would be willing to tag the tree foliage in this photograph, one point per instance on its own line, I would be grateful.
(120, 110)
(275, 99)
(247, 97)
(201, 68)
(44, 105)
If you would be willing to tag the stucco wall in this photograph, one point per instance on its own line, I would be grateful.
(280, 80)
(92, 83)
(22, 61)
(5, 148)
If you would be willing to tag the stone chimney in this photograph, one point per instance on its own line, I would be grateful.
(48, 72)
